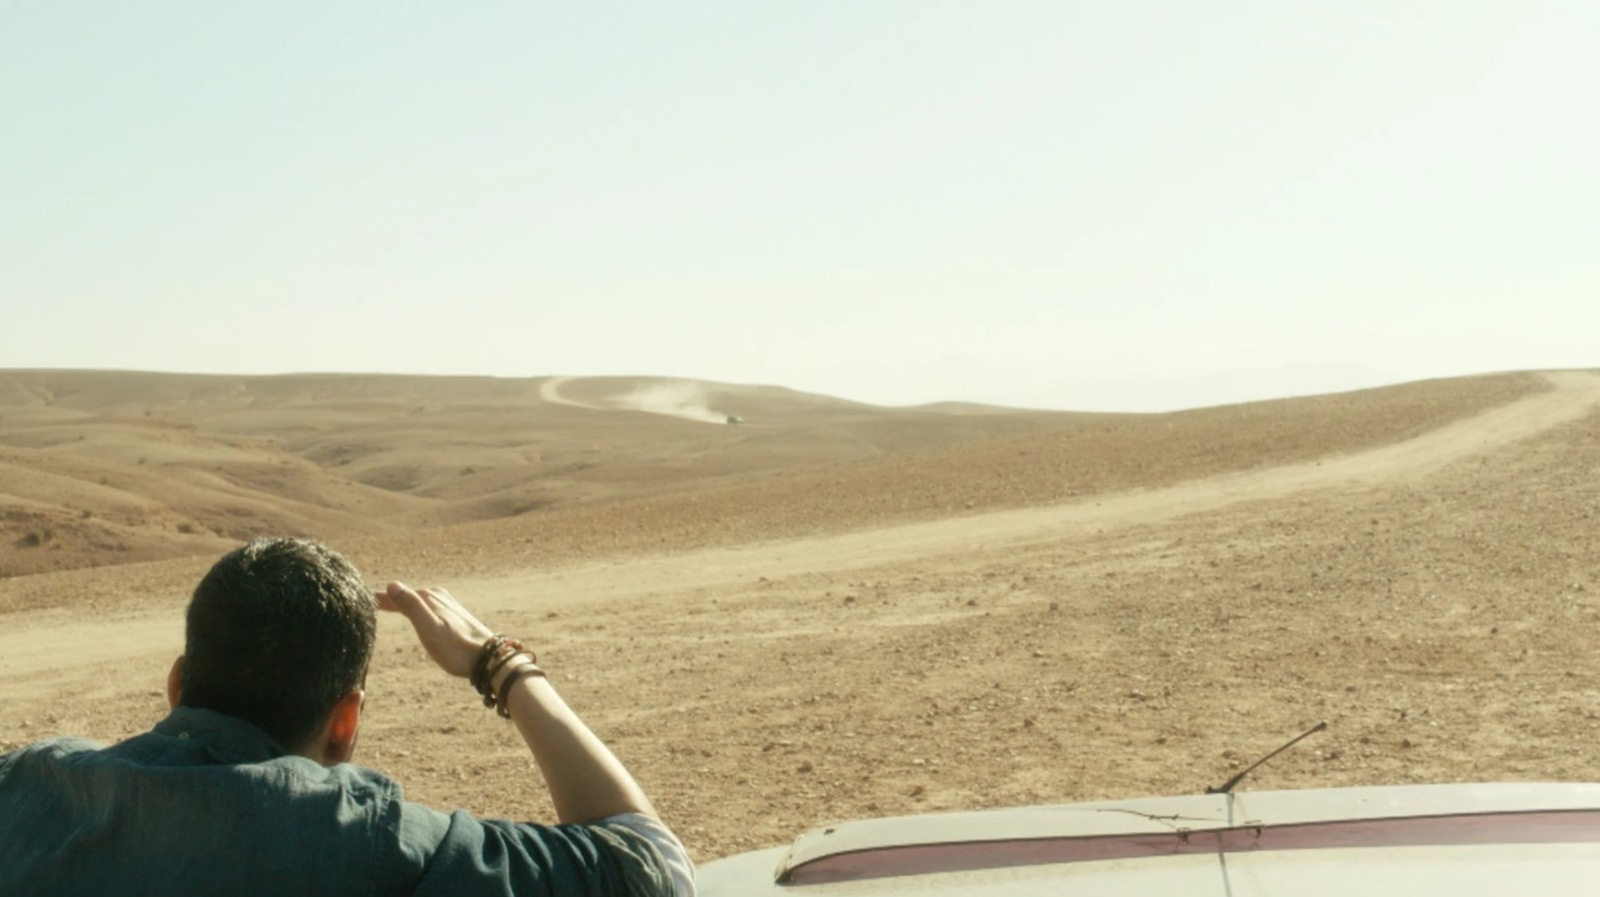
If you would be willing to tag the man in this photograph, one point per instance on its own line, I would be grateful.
(246, 787)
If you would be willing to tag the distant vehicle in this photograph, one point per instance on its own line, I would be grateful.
(1469, 840)
(735, 419)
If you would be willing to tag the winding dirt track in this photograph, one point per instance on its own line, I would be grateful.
(56, 643)
(550, 391)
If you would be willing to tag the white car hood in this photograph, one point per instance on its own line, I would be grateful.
(1461, 840)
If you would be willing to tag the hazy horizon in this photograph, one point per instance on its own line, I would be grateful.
(1132, 396)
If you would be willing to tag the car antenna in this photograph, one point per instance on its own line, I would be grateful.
(1227, 787)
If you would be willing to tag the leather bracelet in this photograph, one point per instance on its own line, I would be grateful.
(487, 691)
(502, 702)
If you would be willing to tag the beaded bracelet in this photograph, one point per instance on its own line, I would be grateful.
(480, 668)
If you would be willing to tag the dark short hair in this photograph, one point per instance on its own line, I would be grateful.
(278, 631)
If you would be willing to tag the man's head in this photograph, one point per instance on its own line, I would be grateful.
(279, 634)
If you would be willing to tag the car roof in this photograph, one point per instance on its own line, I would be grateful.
(1417, 834)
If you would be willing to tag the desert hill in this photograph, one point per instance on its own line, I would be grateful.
(115, 467)
(104, 468)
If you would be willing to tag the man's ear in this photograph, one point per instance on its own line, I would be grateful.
(175, 683)
(344, 723)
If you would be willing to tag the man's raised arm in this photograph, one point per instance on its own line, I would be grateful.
(587, 783)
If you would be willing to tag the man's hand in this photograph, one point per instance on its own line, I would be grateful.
(450, 635)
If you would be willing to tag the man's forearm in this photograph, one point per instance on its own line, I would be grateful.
(586, 781)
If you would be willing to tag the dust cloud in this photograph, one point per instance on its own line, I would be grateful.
(683, 399)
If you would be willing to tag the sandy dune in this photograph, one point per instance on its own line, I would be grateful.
(781, 643)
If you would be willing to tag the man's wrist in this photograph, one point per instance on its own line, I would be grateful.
(499, 660)
(523, 671)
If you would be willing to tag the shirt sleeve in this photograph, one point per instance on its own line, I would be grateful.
(610, 858)
(666, 843)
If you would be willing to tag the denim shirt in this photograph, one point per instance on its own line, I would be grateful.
(208, 804)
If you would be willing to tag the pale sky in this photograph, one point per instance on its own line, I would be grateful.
(1107, 205)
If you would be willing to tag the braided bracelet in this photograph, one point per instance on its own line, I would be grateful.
(494, 655)
(498, 652)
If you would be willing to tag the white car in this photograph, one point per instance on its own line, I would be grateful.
(1458, 840)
